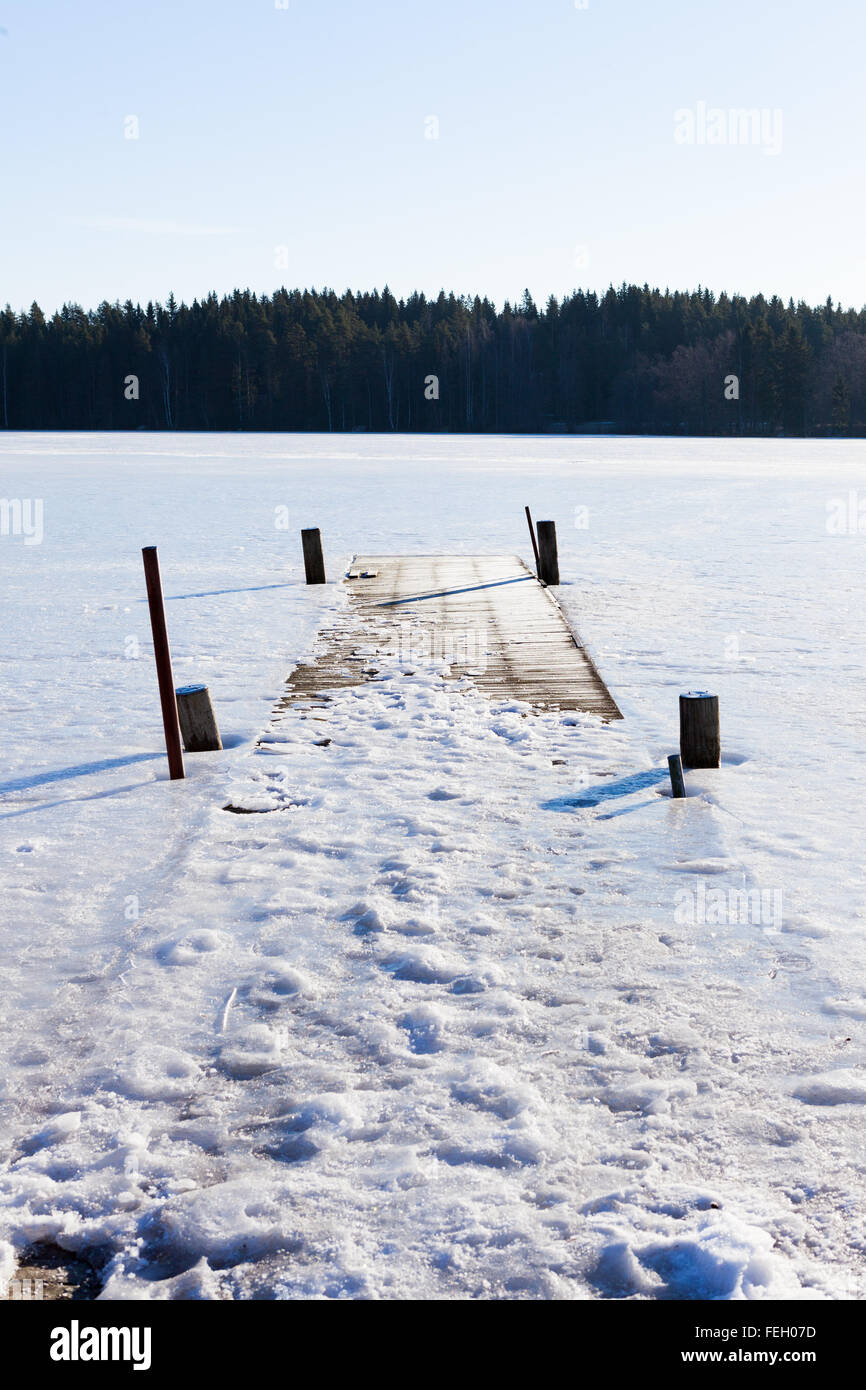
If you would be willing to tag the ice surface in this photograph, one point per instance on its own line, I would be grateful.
(471, 1008)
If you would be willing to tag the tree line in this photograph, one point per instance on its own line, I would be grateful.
(635, 359)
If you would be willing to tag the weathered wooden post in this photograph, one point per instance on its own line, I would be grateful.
(162, 654)
(678, 786)
(197, 719)
(314, 561)
(532, 537)
(700, 739)
(548, 559)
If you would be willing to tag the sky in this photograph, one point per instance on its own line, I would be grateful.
(480, 146)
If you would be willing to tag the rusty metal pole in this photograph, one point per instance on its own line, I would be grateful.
(162, 653)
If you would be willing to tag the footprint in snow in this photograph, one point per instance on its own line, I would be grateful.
(190, 949)
(493, 1093)
(251, 1052)
(405, 888)
(483, 1158)
(429, 968)
(424, 1026)
(278, 988)
(368, 923)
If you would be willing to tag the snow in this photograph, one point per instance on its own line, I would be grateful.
(468, 1006)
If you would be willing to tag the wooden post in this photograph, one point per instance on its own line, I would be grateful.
(678, 786)
(548, 565)
(197, 719)
(532, 537)
(163, 662)
(700, 739)
(314, 561)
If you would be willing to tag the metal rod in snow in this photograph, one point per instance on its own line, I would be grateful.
(678, 785)
(162, 654)
(532, 537)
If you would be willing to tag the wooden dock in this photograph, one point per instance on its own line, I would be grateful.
(482, 616)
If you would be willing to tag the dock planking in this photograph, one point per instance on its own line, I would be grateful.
(485, 616)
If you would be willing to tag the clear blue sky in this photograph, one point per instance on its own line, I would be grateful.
(305, 128)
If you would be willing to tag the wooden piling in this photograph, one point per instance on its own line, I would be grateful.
(314, 561)
(162, 653)
(700, 737)
(678, 786)
(532, 538)
(197, 719)
(548, 563)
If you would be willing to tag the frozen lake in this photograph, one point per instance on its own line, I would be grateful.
(434, 1030)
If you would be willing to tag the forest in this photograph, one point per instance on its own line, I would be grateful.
(633, 360)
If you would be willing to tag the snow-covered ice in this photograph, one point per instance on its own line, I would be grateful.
(471, 1008)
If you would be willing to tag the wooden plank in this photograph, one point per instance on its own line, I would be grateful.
(485, 616)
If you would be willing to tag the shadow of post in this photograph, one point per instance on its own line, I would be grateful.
(64, 774)
(610, 791)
